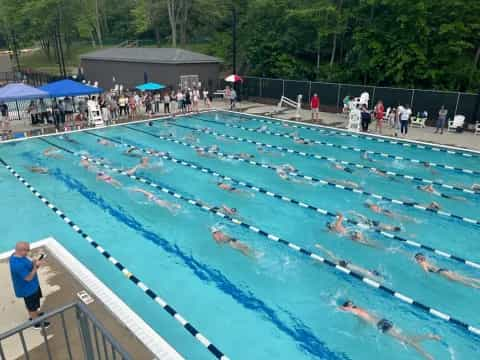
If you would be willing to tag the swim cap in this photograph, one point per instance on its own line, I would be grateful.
(214, 229)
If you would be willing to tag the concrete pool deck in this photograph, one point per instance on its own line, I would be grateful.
(466, 140)
(60, 287)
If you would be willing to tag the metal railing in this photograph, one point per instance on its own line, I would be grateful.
(332, 95)
(83, 327)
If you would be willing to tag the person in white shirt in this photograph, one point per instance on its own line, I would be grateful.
(196, 99)
(404, 114)
(205, 96)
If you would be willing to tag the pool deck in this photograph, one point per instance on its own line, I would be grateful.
(60, 287)
(466, 140)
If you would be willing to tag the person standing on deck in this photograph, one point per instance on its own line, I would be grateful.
(25, 280)
(442, 118)
(379, 115)
(315, 105)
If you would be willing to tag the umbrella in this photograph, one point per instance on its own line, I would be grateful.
(20, 91)
(150, 87)
(233, 78)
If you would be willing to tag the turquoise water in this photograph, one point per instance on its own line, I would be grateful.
(280, 304)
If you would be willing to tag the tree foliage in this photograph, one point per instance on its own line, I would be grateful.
(421, 43)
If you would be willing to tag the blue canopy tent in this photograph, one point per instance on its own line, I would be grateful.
(67, 87)
(20, 91)
(151, 86)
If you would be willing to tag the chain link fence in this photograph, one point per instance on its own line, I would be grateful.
(332, 95)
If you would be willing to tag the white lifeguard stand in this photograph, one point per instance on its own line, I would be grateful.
(94, 114)
(354, 119)
(297, 105)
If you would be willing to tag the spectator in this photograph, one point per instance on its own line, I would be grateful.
(205, 97)
(233, 99)
(113, 107)
(132, 105)
(366, 118)
(68, 104)
(157, 99)
(196, 99)
(25, 280)
(179, 97)
(61, 108)
(56, 113)
(379, 114)
(188, 100)
(392, 118)
(33, 111)
(148, 104)
(166, 103)
(442, 118)
(228, 94)
(42, 107)
(315, 105)
(346, 104)
(123, 105)
(404, 114)
(82, 108)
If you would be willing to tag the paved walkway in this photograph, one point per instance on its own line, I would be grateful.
(59, 288)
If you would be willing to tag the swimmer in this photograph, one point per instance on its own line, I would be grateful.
(105, 142)
(342, 168)
(386, 327)
(157, 153)
(143, 164)
(244, 156)
(221, 239)
(428, 267)
(163, 203)
(373, 274)
(227, 187)
(108, 179)
(475, 187)
(379, 210)
(52, 153)
(263, 128)
(133, 152)
(301, 141)
(205, 153)
(379, 172)
(366, 157)
(37, 169)
(226, 210)
(85, 164)
(354, 235)
(346, 183)
(430, 189)
(434, 206)
(376, 224)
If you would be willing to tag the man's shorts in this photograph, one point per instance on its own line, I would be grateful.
(315, 110)
(32, 302)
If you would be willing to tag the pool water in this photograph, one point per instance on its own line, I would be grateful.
(277, 303)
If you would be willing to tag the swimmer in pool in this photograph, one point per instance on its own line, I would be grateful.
(105, 142)
(133, 152)
(475, 187)
(205, 153)
(162, 203)
(434, 206)
(230, 188)
(428, 267)
(372, 274)
(244, 156)
(376, 224)
(386, 327)
(223, 239)
(301, 141)
(108, 179)
(354, 235)
(263, 128)
(143, 164)
(225, 210)
(380, 172)
(346, 183)
(379, 210)
(52, 152)
(366, 157)
(430, 189)
(37, 169)
(337, 166)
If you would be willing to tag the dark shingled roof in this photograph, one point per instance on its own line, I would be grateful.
(151, 55)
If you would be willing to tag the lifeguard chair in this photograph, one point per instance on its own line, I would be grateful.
(94, 114)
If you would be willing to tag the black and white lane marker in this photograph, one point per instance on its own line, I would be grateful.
(414, 205)
(214, 350)
(346, 147)
(374, 284)
(320, 129)
(301, 204)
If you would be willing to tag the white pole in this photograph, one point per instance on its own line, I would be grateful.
(456, 106)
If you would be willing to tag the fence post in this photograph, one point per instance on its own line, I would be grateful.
(309, 91)
(411, 101)
(373, 96)
(456, 106)
(260, 87)
(283, 88)
(338, 95)
(85, 334)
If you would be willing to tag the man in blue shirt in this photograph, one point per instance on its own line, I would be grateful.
(25, 280)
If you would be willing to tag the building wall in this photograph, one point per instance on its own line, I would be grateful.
(130, 74)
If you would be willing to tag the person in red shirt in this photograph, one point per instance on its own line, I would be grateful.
(379, 115)
(314, 105)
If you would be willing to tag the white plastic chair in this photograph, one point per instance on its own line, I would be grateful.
(477, 128)
(354, 119)
(94, 114)
(457, 122)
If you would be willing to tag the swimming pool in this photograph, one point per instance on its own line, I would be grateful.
(283, 301)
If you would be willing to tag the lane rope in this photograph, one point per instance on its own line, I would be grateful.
(374, 284)
(414, 205)
(343, 162)
(276, 121)
(214, 350)
(301, 204)
(346, 147)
